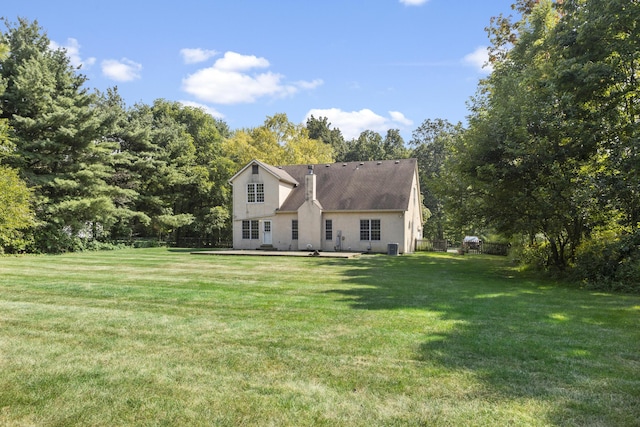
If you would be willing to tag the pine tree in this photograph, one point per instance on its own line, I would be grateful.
(56, 131)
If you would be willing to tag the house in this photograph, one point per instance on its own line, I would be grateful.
(353, 206)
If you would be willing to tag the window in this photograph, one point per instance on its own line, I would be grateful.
(260, 193)
(255, 231)
(370, 229)
(250, 230)
(255, 193)
(375, 229)
(251, 193)
(328, 229)
(254, 169)
(294, 229)
(246, 229)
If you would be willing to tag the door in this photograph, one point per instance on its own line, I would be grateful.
(266, 236)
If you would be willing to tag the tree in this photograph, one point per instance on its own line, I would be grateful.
(216, 220)
(160, 166)
(169, 166)
(368, 146)
(393, 146)
(277, 142)
(208, 170)
(55, 129)
(6, 147)
(15, 210)
(517, 160)
(598, 46)
(551, 148)
(432, 143)
(118, 161)
(16, 214)
(320, 129)
(371, 146)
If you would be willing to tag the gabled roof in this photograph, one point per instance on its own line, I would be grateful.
(277, 172)
(355, 186)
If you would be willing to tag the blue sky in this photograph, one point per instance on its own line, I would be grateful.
(366, 65)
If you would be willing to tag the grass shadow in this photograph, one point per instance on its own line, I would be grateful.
(523, 338)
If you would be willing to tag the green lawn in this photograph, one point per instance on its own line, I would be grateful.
(161, 337)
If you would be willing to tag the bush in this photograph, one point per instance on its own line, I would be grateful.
(95, 245)
(148, 243)
(534, 256)
(609, 261)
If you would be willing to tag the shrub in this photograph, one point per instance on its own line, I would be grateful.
(534, 256)
(609, 261)
(148, 243)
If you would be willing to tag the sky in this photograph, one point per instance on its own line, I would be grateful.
(364, 64)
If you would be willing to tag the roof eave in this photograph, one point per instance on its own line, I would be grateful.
(264, 166)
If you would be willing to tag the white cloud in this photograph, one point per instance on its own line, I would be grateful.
(73, 52)
(309, 85)
(353, 123)
(479, 59)
(211, 111)
(124, 70)
(398, 117)
(193, 56)
(233, 61)
(226, 87)
(413, 2)
(230, 81)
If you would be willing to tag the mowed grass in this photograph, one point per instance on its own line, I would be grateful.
(162, 337)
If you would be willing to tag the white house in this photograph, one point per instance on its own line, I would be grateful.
(354, 206)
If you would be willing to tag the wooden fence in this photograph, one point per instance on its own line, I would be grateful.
(428, 245)
(489, 248)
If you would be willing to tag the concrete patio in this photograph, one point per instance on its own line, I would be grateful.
(280, 253)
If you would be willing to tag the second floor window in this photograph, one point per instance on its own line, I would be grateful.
(255, 192)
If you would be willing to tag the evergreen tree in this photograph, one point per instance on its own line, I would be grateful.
(56, 132)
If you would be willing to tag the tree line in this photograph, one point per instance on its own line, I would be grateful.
(550, 155)
(548, 159)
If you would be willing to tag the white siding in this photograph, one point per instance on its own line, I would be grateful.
(348, 224)
(274, 191)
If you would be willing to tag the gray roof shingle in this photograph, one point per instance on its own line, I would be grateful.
(355, 186)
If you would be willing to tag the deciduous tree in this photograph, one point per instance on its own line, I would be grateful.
(16, 215)
(432, 143)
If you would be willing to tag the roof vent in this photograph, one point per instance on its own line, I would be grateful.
(344, 164)
(326, 166)
(361, 163)
(379, 163)
(397, 161)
